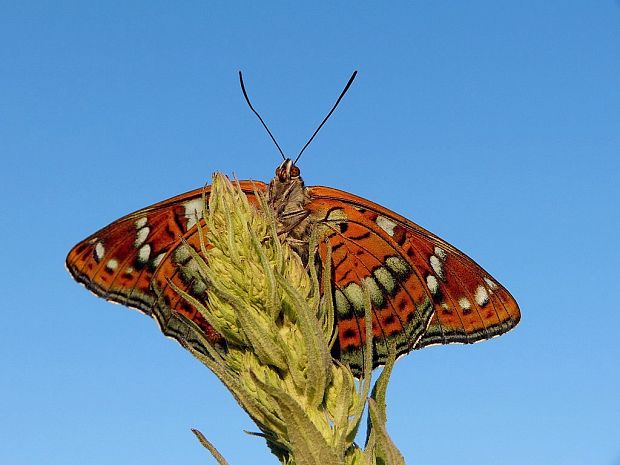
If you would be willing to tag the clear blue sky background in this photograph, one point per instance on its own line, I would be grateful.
(494, 124)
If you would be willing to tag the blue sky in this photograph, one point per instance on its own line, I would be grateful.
(493, 124)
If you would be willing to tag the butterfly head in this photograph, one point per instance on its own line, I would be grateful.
(287, 171)
(287, 193)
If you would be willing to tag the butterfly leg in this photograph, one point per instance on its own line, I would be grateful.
(291, 220)
(293, 228)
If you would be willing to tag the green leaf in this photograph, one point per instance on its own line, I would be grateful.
(386, 451)
(308, 446)
(214, 452)
(319, 357)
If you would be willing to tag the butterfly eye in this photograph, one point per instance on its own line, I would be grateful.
(295, 172)
(281, 174)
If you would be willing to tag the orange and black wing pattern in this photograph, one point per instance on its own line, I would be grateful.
(122, 261)
(423, 290)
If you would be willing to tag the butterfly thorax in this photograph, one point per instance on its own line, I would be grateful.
(288, 197)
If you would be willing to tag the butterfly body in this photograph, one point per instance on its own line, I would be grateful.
(423, 290)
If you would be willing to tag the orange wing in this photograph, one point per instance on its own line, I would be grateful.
(423, 290)
(119, 262)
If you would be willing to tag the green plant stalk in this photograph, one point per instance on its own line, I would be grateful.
(279, 329)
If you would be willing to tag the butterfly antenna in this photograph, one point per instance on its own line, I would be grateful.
(247, 99)
(346, 88)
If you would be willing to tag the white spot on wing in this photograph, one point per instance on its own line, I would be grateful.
(144, 253)
(398, 266)
(437, 266)
(193, 208)
(141, 236)
(376, 296)
(440, 253)
(386, 224)
(432, 283)
(355, 294)
(99, 251)
(141, 223)
(343, 307)
(337, 215)
(464, 303)
(385, 278)
(112, 264)
(490, 283)
(157, 260)
(481, 296)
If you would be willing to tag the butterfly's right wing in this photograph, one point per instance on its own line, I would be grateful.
(119, 262)
(423, 290)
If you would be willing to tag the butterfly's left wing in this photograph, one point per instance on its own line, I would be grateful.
(423, 290)
(120, 262)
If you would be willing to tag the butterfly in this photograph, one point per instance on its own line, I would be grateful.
(423, 290)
